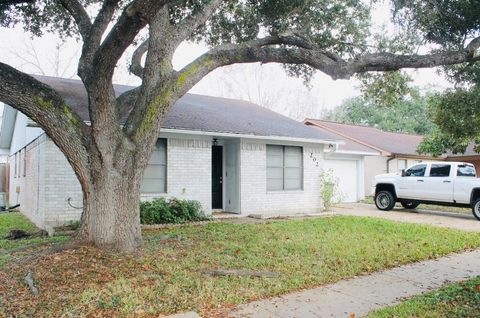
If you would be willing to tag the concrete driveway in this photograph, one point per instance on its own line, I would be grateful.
(466, 222)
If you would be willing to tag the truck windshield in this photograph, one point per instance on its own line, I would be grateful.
(466, 171)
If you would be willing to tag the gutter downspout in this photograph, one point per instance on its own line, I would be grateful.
(388, 162)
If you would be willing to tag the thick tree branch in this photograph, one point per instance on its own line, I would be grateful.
(287, 48)
(186, 27)
(79, 14)
(133, 19)
(176, 34)
(43, 105)
(136, 64)
(93, 38)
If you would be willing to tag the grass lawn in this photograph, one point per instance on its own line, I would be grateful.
(460, 300)
(166, 275)
(430, 207)
(17, 248)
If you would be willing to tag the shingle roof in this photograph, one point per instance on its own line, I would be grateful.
(349, 145)
(203, 113)
(394, 143)
(390, 142)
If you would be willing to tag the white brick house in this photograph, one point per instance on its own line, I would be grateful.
(229, 155)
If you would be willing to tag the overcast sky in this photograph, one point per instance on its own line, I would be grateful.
(264, 84)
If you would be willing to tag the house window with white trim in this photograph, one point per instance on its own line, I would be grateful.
(284, 168)
(155, 174)
(402, 164)
(15, 165)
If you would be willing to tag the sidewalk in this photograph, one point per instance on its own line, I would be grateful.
(363, 294)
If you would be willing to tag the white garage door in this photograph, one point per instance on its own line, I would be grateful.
(346, 172)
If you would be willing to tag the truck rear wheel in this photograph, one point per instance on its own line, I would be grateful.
(409, 204)
(384, 200)
(476, 208)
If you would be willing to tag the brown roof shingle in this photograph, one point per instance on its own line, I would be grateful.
(386, 142)
(202, 113)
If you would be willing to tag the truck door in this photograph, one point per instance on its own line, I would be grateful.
(462, 184)
(410, 186)
(439, 183)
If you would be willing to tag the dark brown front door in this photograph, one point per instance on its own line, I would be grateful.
(217, 177)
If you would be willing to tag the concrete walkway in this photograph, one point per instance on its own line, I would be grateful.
(363, 294)
(465, 222)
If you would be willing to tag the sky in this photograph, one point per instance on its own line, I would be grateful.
(267, 84)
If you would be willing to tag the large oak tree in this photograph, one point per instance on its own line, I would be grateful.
(109, 158)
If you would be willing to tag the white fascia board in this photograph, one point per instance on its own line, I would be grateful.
(231, 135)
(245, 136)
(351, 152)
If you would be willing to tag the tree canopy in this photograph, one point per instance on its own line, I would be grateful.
(450, 24)
(388, 102)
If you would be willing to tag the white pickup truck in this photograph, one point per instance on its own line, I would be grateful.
(441, 183)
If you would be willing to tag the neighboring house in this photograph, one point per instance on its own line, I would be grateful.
(395, 151)
(229, 155)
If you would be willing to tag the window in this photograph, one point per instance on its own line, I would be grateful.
(20, 162)
(416, 171)
(440, 170)
(23, 163)
(466, 171)
(15, 165)
(402, 164)
(155, 174)
(284, 168)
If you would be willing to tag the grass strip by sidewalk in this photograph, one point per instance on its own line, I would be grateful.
(166, 275)
(461, 300)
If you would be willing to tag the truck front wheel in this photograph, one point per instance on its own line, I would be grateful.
(476, 208)
(384, 200)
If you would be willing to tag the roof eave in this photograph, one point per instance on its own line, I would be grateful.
(249, 136)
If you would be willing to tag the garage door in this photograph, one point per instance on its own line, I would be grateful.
(346, 172)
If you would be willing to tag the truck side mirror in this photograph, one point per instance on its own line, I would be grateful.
(403, 173)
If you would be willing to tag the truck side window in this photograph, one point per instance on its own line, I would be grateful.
(440, 170)
(466, 171)
(416, 171)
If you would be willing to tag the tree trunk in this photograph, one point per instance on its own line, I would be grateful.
(111, 213)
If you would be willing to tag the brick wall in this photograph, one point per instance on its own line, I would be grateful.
(255, 199)
(189, 175)
(50, 181)
(27, 189)
(60, 184)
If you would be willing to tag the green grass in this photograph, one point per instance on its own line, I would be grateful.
(166, 275)
(429, 207)
(15, 220)
(460, 300)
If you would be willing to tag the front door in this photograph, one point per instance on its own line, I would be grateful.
(217, 177)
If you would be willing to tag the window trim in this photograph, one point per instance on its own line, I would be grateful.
(302, 168)
(405, 166)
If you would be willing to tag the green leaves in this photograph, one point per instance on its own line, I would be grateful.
(388, 103)
(457, 114)
(447, 23)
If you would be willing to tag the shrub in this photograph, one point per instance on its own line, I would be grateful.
(161, 211)
(329, 189)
